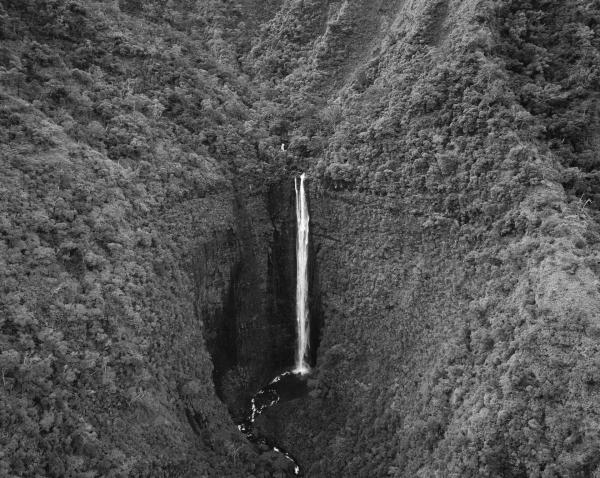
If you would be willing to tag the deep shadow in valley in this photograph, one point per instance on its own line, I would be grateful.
(252, 337)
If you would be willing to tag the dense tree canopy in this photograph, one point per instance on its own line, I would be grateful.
(452, 151)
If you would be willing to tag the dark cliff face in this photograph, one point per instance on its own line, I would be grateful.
(147, 235)
(251, 333)
(282, 274)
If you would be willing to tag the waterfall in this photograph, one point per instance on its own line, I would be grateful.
(302, 218)
(289, 384)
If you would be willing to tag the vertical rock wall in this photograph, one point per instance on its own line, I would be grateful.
(245, 281)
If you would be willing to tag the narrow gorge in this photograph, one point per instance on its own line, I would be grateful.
(289, 384)
(319, 238)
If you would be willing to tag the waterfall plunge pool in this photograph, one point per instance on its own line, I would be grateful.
(291, 384)
(284, 387)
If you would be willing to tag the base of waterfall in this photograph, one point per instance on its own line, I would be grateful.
(301, 370)
(284, 387)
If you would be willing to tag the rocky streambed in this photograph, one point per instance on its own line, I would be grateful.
(284, 387)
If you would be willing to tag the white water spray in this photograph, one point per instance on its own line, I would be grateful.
(302, 218)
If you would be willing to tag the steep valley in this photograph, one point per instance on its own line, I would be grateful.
(148, 152)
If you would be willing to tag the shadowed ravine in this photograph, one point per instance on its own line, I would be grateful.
(148, 238)
(284, 387)
(290, 384)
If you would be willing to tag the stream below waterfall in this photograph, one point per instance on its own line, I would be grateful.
(284, 387)
(291, 384)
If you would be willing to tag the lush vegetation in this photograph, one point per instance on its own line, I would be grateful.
(121, 152)
(456, 222)
(452, 150)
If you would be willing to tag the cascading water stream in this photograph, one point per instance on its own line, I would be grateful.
(302, 219)
(280, 388)
(290, 384)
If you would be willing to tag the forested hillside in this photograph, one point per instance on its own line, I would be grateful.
(146, 225)
(123, 152)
